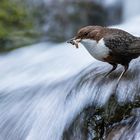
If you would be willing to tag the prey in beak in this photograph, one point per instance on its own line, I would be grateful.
(74, 41)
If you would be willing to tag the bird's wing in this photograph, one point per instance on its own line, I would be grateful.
(134, 48)
(118, 43)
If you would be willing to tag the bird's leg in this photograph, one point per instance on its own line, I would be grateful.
(125, 69)
(114, 66)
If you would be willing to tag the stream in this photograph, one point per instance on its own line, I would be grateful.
(57, 92)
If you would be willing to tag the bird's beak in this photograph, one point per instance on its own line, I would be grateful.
(74, 41)
(71, 41)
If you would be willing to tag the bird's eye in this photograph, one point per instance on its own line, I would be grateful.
(85, 33)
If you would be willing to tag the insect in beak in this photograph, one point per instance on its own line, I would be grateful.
(74, 41)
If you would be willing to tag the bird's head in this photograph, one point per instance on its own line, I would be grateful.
(88, 32)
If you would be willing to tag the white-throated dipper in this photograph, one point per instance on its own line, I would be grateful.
(110, 45)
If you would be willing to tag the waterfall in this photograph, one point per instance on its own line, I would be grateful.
(45, 88)
(131, 8)
(35, 83)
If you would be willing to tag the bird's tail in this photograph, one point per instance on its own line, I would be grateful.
(134, 48)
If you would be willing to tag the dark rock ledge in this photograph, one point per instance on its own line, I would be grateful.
(116, 118)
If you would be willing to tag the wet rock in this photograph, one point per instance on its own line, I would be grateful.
(111, 122)
(118, 117)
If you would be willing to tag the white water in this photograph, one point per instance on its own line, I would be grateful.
(33, 91)
(31, 64)
(40, 93)
(131, 9)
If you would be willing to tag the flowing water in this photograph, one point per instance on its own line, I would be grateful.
(131, 9)
(43, 89)
(34, 90)
(46, 91)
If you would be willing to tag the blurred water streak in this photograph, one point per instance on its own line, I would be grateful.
(43, 89)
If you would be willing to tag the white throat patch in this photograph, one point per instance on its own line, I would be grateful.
(97, 49)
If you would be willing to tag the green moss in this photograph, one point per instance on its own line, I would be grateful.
(15, 25)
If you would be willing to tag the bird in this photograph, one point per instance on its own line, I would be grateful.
(111, 45)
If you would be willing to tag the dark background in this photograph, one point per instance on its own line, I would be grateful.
(26, 22)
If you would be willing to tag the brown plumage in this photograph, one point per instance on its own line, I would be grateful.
(119, 47)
